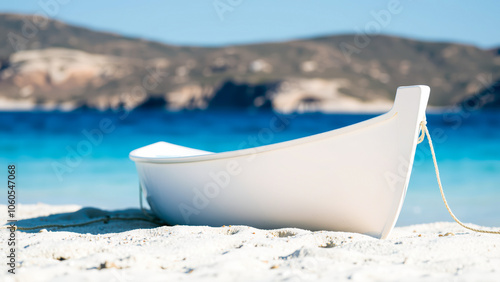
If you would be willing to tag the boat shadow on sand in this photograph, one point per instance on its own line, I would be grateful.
(100, 221)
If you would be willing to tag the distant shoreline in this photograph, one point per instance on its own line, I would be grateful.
(25, 107)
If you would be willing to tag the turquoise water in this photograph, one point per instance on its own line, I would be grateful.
(58, 164)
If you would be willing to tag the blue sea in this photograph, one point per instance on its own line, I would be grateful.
(82, 157)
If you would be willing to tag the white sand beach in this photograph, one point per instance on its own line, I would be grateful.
(142, 251)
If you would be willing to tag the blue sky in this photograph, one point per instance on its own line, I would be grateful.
(220, 22)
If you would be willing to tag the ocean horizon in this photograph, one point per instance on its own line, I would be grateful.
(81, 157)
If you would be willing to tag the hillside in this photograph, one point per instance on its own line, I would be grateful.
(61, 66)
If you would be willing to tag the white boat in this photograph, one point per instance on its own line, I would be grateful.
(352, 179)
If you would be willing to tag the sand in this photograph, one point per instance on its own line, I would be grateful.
(142, 251)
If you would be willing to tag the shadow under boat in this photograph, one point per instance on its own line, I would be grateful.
(109, 221)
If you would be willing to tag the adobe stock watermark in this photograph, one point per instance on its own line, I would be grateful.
(455, 119)
(222, 7)
(221, 179)
(94, 137)
(363, 37)
(119, 276)
(397, 178)
(34, 23)
(11, 247)
(301, 269)
(457, 115)
(83, 148)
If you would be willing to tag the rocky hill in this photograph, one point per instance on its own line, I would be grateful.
(52, 65)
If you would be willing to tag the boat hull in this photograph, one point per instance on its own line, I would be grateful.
(352, 179)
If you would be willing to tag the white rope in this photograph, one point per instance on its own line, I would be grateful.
(425, 132)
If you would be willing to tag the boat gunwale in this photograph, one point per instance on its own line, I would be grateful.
(392, 113)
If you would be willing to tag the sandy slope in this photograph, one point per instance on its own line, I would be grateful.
(140, 251)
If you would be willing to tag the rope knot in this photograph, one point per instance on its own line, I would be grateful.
(423, 128)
